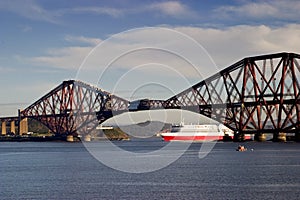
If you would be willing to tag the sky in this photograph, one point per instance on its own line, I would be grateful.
(135, 49)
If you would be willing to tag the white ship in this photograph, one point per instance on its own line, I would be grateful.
(203, 132)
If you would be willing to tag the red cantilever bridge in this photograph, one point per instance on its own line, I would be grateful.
(255, 95)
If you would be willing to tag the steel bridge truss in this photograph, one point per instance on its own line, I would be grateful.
(255, 95)
(74, 107)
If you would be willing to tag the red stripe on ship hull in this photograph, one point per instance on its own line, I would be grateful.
(193, 138)
(247, 137)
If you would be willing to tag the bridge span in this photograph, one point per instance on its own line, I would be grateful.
(255, 95)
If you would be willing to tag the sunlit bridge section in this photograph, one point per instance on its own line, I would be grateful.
(255, 95)
(74, 107)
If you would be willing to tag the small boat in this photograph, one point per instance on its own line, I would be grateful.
(241, 148)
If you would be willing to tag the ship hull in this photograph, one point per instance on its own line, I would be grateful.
(191, 138)
(199, 138)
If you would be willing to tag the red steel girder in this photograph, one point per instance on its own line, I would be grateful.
(74, 107)
(256, 94)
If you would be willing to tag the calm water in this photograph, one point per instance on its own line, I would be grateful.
(68, 171)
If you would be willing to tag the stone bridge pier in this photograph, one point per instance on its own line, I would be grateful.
(22, 126)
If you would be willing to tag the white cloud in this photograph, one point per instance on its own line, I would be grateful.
(69, 58)
(167, 8)
(29, 9)
(113, 12)
(172, 8)
(4, 69)
(229, 45)
(65, 58)
(84, 40)
(274, 9)
(225, 45)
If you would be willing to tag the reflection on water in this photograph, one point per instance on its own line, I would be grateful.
(68, 171)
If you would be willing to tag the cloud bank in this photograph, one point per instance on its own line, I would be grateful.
(225, 46)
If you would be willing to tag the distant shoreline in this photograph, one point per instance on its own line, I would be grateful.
(19, 138)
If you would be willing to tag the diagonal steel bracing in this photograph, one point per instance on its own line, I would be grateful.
(257, 94)
(74, 107)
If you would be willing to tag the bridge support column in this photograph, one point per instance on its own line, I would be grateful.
(260, 137)
(3, 125)
(70, 138)
(12, 127)
(238, 137)
(87, 138)
(23, 126)
(279, 137)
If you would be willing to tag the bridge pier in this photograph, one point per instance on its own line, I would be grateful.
(70, 138)
(87, 138)
(3, 125)
(13, 127)
(260, 137)
(23, 126)
(238, 137)
(279, 137)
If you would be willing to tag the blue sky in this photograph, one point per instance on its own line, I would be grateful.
(45, 42)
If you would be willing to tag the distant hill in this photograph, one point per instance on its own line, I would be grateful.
(140, 130)
(36, 126)
(144, 129)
